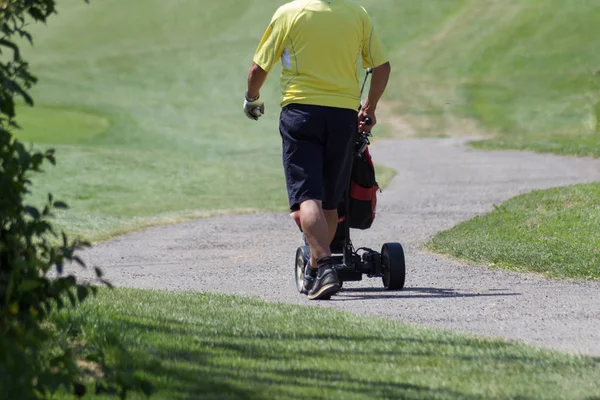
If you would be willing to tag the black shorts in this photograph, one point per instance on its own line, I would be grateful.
(317, 144)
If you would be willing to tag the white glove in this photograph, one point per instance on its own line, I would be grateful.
(254, 108)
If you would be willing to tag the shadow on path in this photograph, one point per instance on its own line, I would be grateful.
(347, 294)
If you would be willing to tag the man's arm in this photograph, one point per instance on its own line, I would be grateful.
(268, 52)
(254, 106)
(256, 79)
(379, 81)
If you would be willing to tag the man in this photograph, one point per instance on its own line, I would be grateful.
(320, 44)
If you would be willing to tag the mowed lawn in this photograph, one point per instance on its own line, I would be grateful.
(523, 71)
(198, 345)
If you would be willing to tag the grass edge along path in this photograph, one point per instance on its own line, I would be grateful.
(191, 345)
(553, 232)
(97, 229)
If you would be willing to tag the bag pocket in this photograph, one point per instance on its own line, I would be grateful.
(363, 203)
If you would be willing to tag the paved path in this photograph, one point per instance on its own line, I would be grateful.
(439, 183)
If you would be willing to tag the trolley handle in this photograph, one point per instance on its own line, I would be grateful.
(363, 139)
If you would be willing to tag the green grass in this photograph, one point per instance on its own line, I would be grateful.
(518, 70)
(58, 126)
(216, 346)
(145, 111)
(554, 232)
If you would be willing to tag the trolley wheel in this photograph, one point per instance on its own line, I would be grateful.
(393, 266)
(302, 257)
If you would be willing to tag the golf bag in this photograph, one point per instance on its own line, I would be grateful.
(362, 198)
(363, 192)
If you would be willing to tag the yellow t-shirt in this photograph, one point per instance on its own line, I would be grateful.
(321, 44)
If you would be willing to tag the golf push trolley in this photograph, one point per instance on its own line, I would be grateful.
(350, 263)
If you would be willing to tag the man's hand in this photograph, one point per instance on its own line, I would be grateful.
(254, 108)
(362, 115)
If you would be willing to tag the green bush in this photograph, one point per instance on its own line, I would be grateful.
(32, 254)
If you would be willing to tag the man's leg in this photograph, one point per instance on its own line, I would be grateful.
(316, 228)
(303, 130)
(331, 216)
(320, 274)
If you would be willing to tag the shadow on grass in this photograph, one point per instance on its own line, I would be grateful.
(434, 347)
(262, 374)
(293, 386)
(197, 363)
(200, 346)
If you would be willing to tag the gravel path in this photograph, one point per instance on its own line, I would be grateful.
(439, 183)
